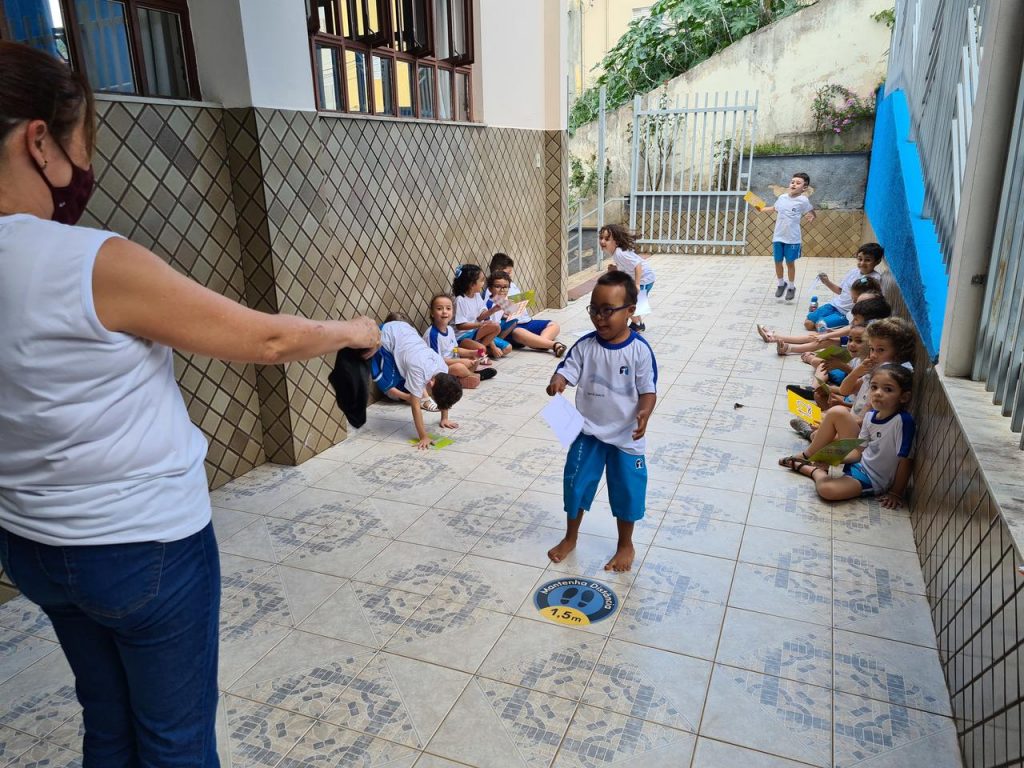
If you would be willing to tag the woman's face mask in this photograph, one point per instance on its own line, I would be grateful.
(69, 201)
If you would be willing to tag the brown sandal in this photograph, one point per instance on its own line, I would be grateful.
(765, 333)
(782, 348)
(558, 349)
(796, 462)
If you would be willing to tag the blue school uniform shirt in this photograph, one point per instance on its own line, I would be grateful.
(886, 442)
(609, 378)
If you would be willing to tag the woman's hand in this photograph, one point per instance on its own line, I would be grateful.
(364, 333)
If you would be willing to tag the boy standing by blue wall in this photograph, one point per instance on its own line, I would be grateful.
(616, 377)
(790, 208)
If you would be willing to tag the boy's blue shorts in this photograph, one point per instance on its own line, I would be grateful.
(836, 377)
(834, 318)
(588, 459)
(857, 472)
(535, 326)
(788, 251)
(470, 334)
(384, 371)
(649, 287)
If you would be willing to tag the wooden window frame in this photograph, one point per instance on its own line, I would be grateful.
(389, 49)
(134, 31)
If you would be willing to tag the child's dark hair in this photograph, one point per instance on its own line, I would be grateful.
(437, 296)
(872, 309)
(496, 276)
(622, 236)
(872, 251)
(500, 262)
(465, 276)
(902, 375)
(900, 332)
(399, 316)
(446, 390)
(625, 280)
(804, 176)
(866, 284)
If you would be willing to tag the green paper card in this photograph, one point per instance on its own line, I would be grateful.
(530, 297)
(439, 442)
(834, 453)
(835, 353)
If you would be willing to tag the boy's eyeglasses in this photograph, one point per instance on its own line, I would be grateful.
(605, 312)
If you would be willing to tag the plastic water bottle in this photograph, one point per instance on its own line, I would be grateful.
(813, 305)
(821, 326)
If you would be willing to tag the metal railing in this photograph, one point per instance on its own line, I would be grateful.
(999, 359)
(935, 59)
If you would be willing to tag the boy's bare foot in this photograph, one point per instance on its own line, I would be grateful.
(559, 552)
(622, 560)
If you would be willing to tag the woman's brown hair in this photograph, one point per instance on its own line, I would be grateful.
(36, 86)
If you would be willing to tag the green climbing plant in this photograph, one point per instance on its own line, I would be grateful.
(676, 36)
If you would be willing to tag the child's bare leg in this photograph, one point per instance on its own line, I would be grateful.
(466, 377)
(791, 270)
(396, 394)
(837, 488)
(572, 528)
(837, 423)
(622, 560)
(551, 331)
(486, 332)
(472, 344)
(802, 338)
(778, 270)
(532, 340)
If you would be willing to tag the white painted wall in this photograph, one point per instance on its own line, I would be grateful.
(253, 53)
(521, 65)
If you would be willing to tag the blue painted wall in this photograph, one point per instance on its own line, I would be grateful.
(894, 203)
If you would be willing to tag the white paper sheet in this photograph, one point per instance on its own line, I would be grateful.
(643, 304)
(563, 418)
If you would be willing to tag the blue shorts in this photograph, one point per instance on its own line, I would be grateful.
(856, 471)
(588, 459)
(471, 334)
(384, 372)
(788, 251)
(501, 343)
(649, 287)
(836, 377)
(535, 326)
(834, 318)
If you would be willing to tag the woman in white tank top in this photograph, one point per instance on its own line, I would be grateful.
(104, 510)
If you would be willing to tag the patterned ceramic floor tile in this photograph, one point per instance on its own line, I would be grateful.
(22, 615)
(14, 743)
(409, 567)
(793, 595)
(869, 732)
(880, 611)
(362, 613)
(784, 485)
(19, 650)
(280, 595)
(670, 620)
(479, 498)
(786, 550)
(456, 635)
(702, 534)
(228, 522)
(329, 745)
(337, 551)
(433, 761)
(697, 576)
(269, 538)
(256, 735)
(40, 698)
(240, 650)
(496, 585)
(767, 713)
(45, 754)
(515, 542)
(649, 684)
(304, 673)
(807, 518)
(777, 646)
(399, 699)
(544, 657)
(904, 675)
(457, 531)
(878, 567)
(695, 500)
(716, 754)
(869, 523)
(598, 738)
(498, 725)
(260, 490)
(727, 452)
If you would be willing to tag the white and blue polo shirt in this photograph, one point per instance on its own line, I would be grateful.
(442, 343)
(886, 442)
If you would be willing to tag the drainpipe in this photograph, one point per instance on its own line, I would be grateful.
(998, 83)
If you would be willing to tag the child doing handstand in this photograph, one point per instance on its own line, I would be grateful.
(881, 465)
(616, 377)
(617, 242)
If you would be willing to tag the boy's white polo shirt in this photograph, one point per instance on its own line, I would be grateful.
(417, 363)
(609, 378)
(789, 210)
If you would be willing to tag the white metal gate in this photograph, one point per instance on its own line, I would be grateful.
(690, 170)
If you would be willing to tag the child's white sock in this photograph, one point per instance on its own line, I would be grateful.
(782, 281)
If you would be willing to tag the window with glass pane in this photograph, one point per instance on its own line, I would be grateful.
(462, 97)
(355, 81)
(426, 91)
(459, 30)
(106, 52)
(441, 45)
(409, 23)
(363, 20)
(405, 86)
(37, 23)
(322, 16)
(163, 53)
(328, 78)
(383, 81)
(444, 93)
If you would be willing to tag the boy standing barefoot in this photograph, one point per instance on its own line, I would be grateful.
(790, 209)
(616, 377)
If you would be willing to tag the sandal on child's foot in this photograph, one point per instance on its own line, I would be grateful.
(765, 333)
(796, 462)
(810, 358)
(429, 405)
(558, 349)
(487, 373)
(782, 348)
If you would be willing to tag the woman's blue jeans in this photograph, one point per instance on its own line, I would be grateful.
(139, 626)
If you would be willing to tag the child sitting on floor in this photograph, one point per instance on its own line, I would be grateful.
(834, 313)
(530, 332)
(881, 465)
(463, 363)
(870, 306)
(499, 284)
(472, 317)
(406, 369)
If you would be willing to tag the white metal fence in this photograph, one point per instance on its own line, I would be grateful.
(935, 59)
(999, 359)
(690, 170)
